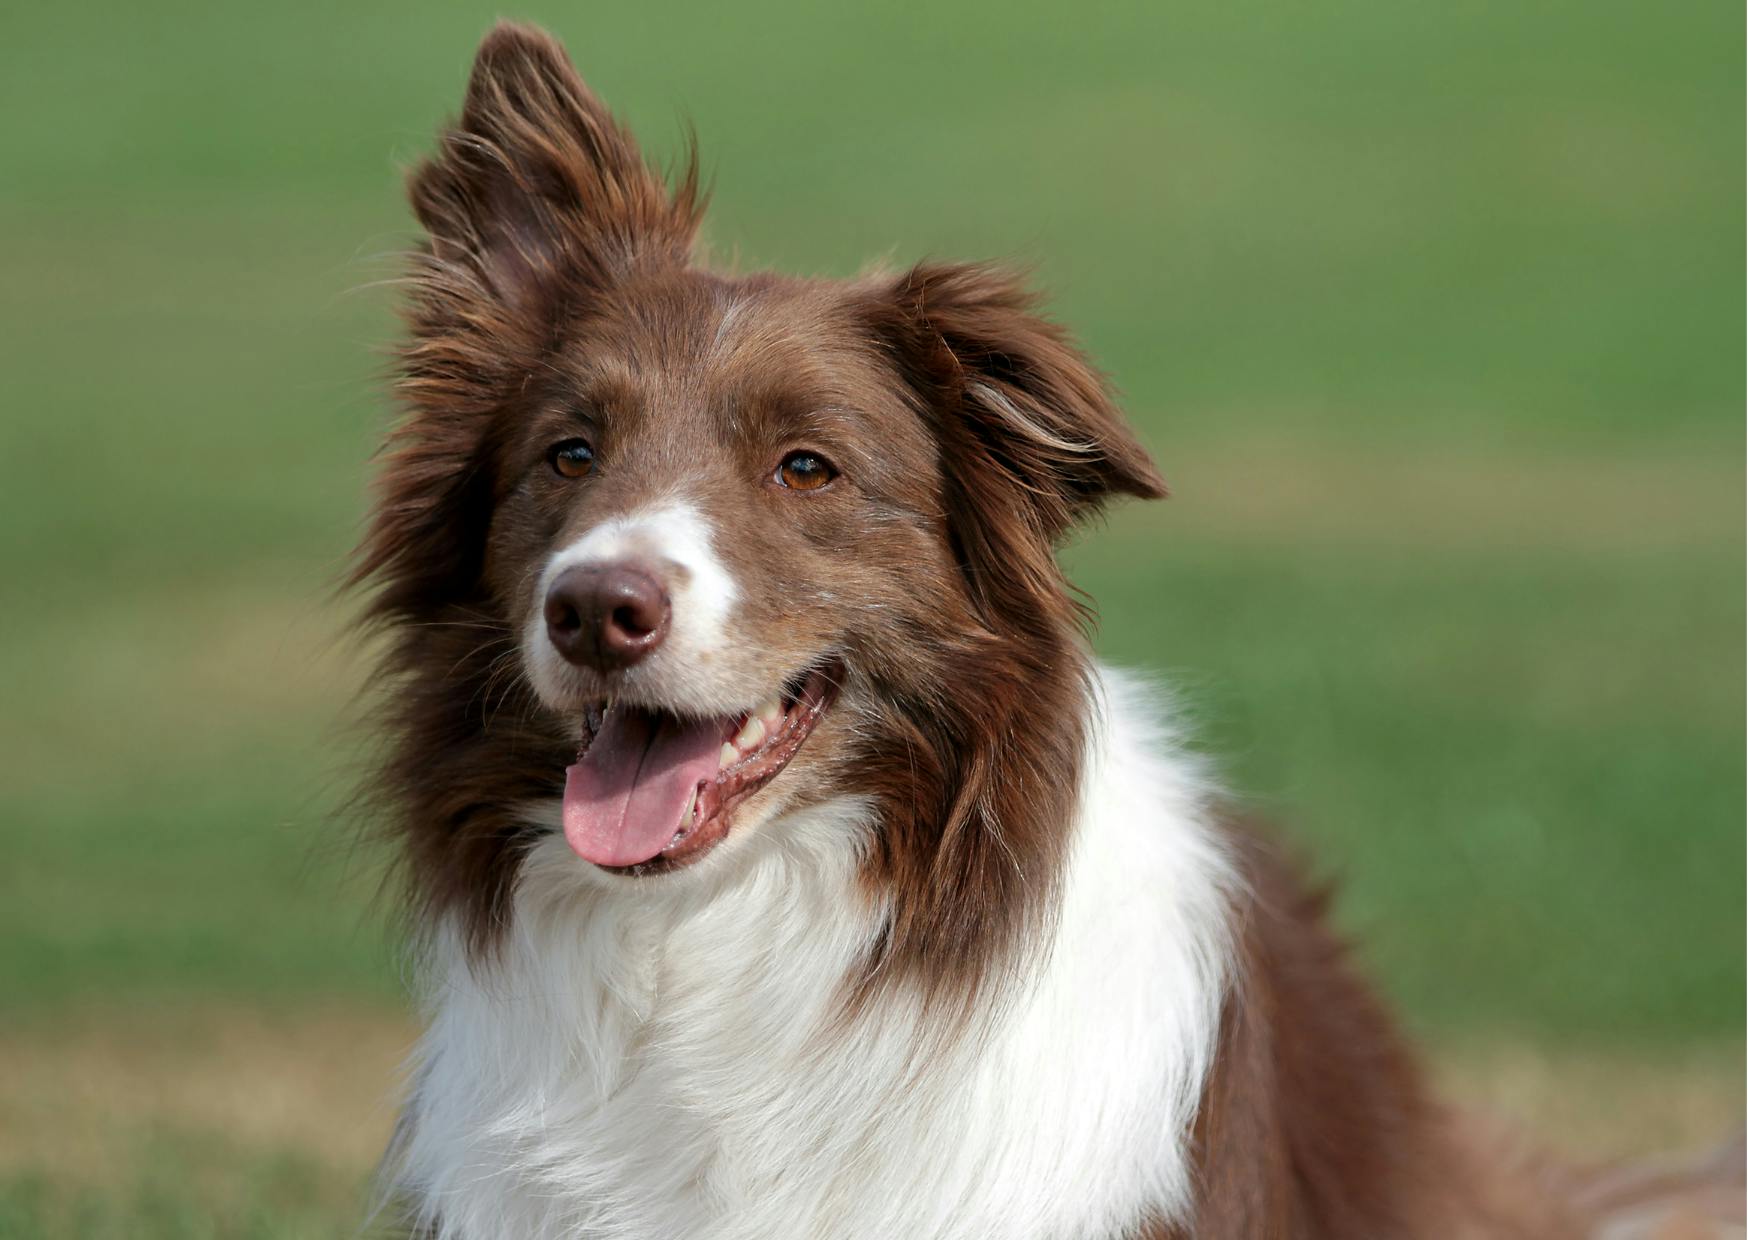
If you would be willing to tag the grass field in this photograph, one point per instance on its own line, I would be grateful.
(1432, 315)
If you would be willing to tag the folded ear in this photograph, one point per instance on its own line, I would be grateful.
(1015, 384)
(537, 183)
(1031, 439)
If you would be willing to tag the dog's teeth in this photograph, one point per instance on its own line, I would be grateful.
(686, 814)
(750, 734)
(769, 712)
(728, 756)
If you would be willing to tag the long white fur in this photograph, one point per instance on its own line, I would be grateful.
(652, 1059)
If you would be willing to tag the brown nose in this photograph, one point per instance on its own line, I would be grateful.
(606, 616)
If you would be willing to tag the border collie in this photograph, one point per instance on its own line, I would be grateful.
(785, 864)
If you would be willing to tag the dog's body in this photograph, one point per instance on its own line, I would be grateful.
(786, 865)
(672, 1064)
(668, 1063)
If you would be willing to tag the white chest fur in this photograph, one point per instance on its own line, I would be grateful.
(650, 1061)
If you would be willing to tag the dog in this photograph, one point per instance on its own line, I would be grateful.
(783, 862)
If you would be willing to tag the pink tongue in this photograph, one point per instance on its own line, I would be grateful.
(625, 798)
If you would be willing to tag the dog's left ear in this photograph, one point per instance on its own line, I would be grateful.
(1012, 386)
(1031, 439)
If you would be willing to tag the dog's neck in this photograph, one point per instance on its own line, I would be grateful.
(651, 1062)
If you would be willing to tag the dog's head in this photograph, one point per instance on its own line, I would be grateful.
(692, 552)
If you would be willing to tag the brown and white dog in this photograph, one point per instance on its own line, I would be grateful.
(787, 865)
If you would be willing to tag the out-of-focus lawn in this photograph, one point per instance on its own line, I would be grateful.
(1432, 315)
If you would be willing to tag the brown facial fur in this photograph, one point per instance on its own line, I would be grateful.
(556, 298)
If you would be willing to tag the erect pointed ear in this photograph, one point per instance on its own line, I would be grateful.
(1013, 397)
(537, 182)
(537, 199)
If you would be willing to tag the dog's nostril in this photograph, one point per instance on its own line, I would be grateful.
(562, 610)
(561, 615)
(632, 621)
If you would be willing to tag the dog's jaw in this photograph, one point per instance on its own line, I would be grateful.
(756, 747)
(670, 707)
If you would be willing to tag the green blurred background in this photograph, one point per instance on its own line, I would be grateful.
(1432, 313)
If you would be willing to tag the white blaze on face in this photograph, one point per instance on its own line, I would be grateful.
(673, 541)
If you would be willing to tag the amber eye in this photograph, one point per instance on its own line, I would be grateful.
(805, 471)
(573, 458)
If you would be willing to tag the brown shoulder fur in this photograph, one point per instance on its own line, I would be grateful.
(1317, 1123)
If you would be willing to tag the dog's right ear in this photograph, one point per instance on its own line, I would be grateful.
(537, 188)
(536, 201)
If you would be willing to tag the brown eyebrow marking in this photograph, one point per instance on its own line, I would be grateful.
(610, 388)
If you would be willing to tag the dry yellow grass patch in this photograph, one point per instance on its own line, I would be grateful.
(83, 1095)
(1300, 494)
(1595, 1104)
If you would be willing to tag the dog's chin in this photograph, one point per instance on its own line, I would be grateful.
(656, 789)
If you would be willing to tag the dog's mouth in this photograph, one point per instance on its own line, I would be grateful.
(653, 790)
